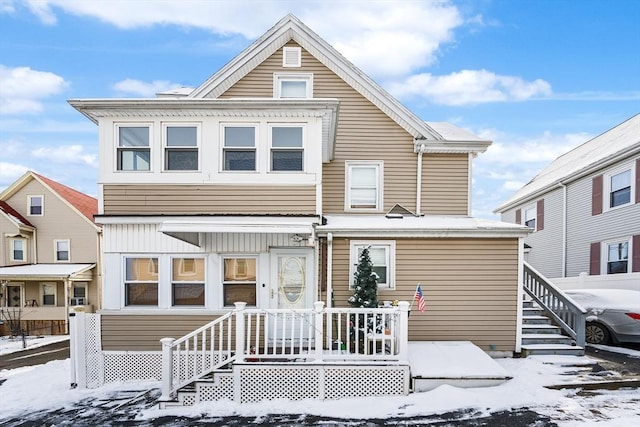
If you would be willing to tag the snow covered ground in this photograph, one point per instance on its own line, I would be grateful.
(44, 388)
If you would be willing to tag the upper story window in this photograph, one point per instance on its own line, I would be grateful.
(239, 148)
(181, 148)
(133, 151)
(530, 215)
(620, 188)
(287, 151)
(617, 257)
(18, 250)
(363, 185)
(62, 250)
(36, 205)
(141, 281)
(382, 255)
(293, 85)
(187, 281)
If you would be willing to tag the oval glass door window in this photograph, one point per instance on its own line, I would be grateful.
(292, 278)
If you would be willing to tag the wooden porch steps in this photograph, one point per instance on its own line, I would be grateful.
(541, 337)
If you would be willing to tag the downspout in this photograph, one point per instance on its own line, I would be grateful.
(564, 229)
(419, 180)
(520, 295)
(329, 268)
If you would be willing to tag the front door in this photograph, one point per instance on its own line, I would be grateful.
(14, 296)
(292, 287)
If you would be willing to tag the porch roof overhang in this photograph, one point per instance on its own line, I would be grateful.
(44, 271)
(427, 226)
(188, 230)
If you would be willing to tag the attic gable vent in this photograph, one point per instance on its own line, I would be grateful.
(291, 57)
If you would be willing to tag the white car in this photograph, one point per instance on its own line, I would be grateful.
(613, 315)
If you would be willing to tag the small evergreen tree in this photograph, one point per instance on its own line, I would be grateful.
(365, 283)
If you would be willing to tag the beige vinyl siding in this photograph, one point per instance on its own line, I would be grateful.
(363, 132)
(59, 222)
(470, 285)
(450, 195)
(144, 332)
(208, 199)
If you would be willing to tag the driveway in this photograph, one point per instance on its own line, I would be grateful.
(35, 356)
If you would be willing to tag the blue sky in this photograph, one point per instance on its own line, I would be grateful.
(536, 77)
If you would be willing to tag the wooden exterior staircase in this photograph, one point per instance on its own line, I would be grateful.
(552, 323)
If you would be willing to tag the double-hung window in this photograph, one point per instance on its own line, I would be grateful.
(141, 281)
(48, 292)
(530, 214)
(18, 250)
(617, 257)
(239, 148)
(181, 148)
(287, 151)
(36, 205)
(133, 150)
(293, 85)
(239, 280)
(620, 189)
(382, 255)
(187, 281)
(62, 250)
(363, 185)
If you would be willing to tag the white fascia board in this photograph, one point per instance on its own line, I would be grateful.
(422, 233)
(221, 227)
(450, 147)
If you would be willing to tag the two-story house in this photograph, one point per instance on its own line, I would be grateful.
(49, 253)
(264, 184)
(584, 211)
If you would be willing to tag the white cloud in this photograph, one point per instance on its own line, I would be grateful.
(469, 87)
(9, 172)
(66, 154)
(144, 89)
(363, 31)
(22, 88)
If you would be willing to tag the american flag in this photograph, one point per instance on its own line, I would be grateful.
(422, 303)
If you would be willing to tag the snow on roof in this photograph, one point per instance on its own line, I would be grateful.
(594, 153)
(422, 226)
(13, 214)
(175, 93)
(44, 270)
(451, 132)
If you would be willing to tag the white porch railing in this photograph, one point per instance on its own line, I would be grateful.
(318, 335)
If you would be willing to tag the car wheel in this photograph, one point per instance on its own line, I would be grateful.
(596, 334)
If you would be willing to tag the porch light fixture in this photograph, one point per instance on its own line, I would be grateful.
(297, 238)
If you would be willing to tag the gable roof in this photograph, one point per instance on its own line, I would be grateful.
(605, 149)
(85, 205)
(13, 215)
(291, 28)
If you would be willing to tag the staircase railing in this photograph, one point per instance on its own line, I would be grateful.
(567, 314)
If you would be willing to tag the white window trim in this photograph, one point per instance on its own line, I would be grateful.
(285, 54)
(606, 185)
(165, 147)
(534, 208)
(278, 78)
(222, 281)
(55, 294)
(270, 126)
(256, 147)
(124, 281)
(604, 254)
(116, 134)
(55, 250)
(84, 285)
(347, 182)
(171, 281)
(390, 245)
(29, 198)
(24, 249)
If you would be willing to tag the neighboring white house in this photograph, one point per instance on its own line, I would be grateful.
(584, 209)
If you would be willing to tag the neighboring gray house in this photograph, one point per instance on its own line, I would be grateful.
(584, 209)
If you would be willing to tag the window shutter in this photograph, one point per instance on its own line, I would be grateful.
(540, 214)
(518, 216)
(638, 181)
(635, 265)
(594, 259)
(596, 195)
